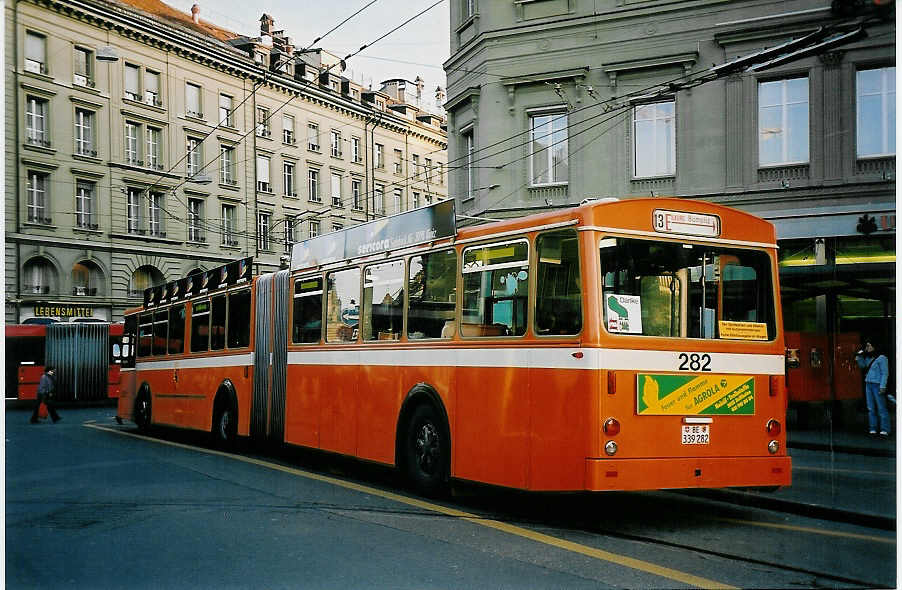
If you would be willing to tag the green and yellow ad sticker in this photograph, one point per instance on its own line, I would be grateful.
(730, 395)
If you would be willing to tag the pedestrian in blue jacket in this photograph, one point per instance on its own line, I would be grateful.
(876, 373)
(46, 391)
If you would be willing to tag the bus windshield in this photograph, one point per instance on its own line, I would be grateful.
(683, 290)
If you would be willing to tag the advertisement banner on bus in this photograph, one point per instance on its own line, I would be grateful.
(730, 395)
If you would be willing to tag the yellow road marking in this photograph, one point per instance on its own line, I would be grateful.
(805, 529)
(637, 564)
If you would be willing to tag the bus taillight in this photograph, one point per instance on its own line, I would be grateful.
(773, 427)
(611, 427)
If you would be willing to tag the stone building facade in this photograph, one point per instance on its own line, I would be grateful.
(194, 147)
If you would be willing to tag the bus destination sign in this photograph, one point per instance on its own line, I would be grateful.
(685, 223)
(227, 275)
(414, 227)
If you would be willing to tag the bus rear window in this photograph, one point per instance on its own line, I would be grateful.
(686, 290)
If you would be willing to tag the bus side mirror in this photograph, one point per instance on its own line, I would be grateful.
(792, 358)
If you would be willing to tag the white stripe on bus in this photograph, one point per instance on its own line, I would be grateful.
(516, 358)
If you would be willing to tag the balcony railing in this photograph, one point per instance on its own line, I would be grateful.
(84, 291)
(38, 141)
(36, 289)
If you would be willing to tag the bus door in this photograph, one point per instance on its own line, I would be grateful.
(270, 356)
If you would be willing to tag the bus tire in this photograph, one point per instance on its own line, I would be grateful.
(143, 410)
(225, 422)
(426, 451)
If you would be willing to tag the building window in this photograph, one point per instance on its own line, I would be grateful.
(133, 143)
(337, 227)
(379, 155)
(288, 179)
(83, 68)
(264, 225)
(132, 82)
(152, 88)
(335, 139)
(225, 111)
(263, 178)
(783, 122)
(379, 199)
(290, 235)
(470, 177)
(654, 140)
(415, 161)
(84, 133)
(313, 186)
(36, 198)
(428, 168)
(228, 226)
(85, 278)
(441, 173)
(36, 121)
(35, 53)
(416, 200)
(398, 200)
(313, 229)
(876, 106)
(469, 8)
(263, 129)
(195, 220)
(193, 104)
(39, 276)
(288, 129)
(155, 208)
(355, 194)
(195, 155)
(84, 204)
(336, 190)
(355, 149)
(154, 147)
(313, 137)
(399, 162)
(227, 165)
(133, 210)
(548, 157)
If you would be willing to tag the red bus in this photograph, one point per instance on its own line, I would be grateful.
(618, 345)
(87, 358)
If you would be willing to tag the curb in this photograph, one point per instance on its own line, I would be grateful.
(876, 521)
(840, 448)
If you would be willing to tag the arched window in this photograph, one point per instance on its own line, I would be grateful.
(144, 277)
(87, 278)
(39, 277)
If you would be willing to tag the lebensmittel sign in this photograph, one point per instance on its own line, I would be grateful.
(695, 395)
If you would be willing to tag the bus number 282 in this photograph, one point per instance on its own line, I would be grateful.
(695, 362)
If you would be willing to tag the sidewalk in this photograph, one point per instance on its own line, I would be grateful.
(836, 475)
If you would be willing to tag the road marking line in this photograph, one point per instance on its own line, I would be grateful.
(630, 562)
(805, 529)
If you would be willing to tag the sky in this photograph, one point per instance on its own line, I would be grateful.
(417, 49)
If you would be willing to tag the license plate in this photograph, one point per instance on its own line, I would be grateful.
(696, 434)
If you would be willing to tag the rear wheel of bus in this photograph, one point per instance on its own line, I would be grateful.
(143, 410)
(225, 422)
(426, 451)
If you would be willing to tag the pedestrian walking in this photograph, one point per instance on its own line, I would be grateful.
(876, 373)
(46, 392)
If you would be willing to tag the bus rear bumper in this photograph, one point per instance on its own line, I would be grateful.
(704, 472)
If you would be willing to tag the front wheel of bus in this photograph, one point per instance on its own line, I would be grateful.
(426, 452)
(143, 411)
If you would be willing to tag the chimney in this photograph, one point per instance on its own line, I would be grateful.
(195, 13)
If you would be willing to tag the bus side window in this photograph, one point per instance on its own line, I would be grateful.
(145, 335)
(160, 328)
(218, 323)
(559, 297)
(176, 329)
(432, 284)
(240, 319)
(308, 310)
(496, 289)
(383, 301)
(200, 325)
(342, 307)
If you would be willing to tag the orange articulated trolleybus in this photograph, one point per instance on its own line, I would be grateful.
(618, 345)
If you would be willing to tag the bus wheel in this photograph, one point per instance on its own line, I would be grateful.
(225, 425)
(426, 451)
(143, 411)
